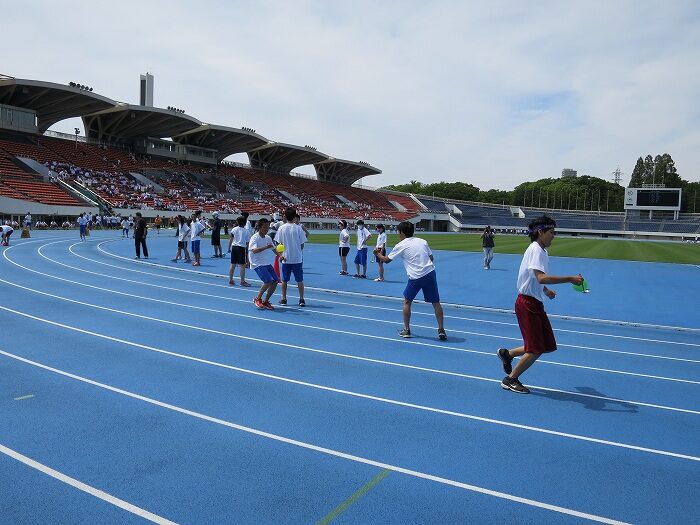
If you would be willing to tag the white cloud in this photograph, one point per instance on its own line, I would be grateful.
(493, 94)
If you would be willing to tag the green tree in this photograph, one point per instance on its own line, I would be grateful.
(637, 178)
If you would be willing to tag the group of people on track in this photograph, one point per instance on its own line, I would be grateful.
(274, 251)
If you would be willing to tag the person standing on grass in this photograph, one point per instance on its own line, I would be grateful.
(82, 226)
(535, 328)
(237, 246)
(182, 233)
(291, 236)
(381, 246)
(262, 254)
(488, 244)
(361, 256)
(418, 260)
(140, 233)
(196, 229)
(343, 246)
(216, 235)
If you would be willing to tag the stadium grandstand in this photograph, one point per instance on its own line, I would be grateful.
(164, 161)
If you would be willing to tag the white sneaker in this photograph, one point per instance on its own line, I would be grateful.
(378, 280)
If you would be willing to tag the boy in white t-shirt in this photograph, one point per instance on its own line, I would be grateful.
(237, 245)
(361, 257)
(196, 228)
(291, 236)
(418, 261)
(533, 277)
(5, 233)
(261, 251)
(343, 246)
(183, 231)
(381, 246)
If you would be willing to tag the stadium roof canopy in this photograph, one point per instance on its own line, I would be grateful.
(50, 101)
(228, 141)
(284, 157)
(126, 121)
(343, 171)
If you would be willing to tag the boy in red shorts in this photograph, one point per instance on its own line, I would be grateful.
(529, 307)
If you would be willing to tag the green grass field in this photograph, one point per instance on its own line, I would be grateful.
(650, 251)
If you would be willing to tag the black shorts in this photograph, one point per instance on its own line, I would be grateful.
(237, 255)
(181, 245)
(343, 251)
(215, 240)
(383, 252)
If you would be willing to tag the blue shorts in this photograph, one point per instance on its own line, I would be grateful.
(288, 269)
(427, 283)
(195, 246)
(361, 257)
(266, 273)
(82, 230)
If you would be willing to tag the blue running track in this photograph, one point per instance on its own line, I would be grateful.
(135, 391)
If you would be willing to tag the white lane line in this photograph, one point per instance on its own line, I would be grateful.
(416, 312)
(351, 357)
(269, 320)
(613, 322)
(100, 494)
(316, 448)
(368, 396)
(335, 314)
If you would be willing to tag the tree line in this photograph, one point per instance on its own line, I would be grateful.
(573, 193)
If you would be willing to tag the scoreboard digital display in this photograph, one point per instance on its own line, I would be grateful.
(653, 198)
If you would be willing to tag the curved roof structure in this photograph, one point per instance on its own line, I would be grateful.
(52, 102)
(127, 121)
(227, 141)
(284, 157)
(343, 171)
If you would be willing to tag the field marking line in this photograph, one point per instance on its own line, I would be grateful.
(297, 325)
(458, 306)
(337, 354)
(22, 398)
(379, 297)
(369, 396)
(365, 306)
(100, 494)
(364, 489)
(315, 448)
(335, 314)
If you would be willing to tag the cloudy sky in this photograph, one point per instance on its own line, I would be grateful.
(490, 93)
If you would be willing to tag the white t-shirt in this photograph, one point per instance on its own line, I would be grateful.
(82, 221)
(6, 229)
(381, 239)
(292, 237)
(182, 231)
(240, 236)
(264, 257)
(535, 258)
(362, 235)
(344, 238)
(196, 230)
(415, 254)
(125, 224)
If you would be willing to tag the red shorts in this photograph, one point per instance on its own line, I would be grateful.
(534, 325)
